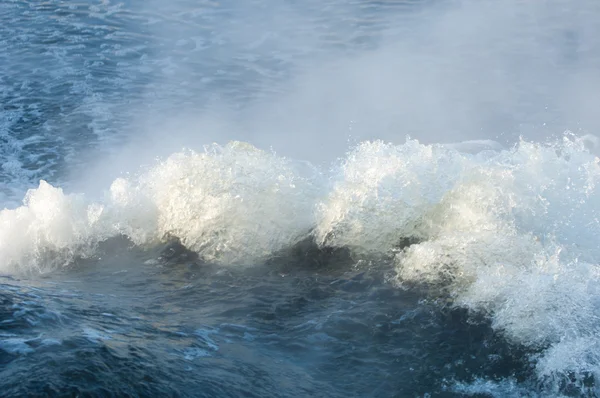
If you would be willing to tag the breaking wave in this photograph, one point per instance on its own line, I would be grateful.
(508, 233)
(231, 205)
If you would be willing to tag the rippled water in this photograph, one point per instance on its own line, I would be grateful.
(76, 76)
(309, 324)
(329, 266)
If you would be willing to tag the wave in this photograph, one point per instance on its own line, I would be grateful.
(510, 233)
(231, 205)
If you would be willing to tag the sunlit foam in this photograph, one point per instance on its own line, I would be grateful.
(511, 233)
(230, 204)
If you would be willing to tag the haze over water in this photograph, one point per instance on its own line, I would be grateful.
(282, 199)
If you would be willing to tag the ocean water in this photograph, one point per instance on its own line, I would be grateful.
(299, 199)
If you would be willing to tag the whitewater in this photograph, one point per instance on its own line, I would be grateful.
(506, 234)
(328, 199)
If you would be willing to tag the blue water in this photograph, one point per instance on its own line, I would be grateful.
(298, 255)
(118, 327)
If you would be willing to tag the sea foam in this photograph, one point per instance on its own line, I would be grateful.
(511, 234)
(508, 233)
(232, 204)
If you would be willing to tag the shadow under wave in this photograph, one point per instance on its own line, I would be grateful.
(334, 316)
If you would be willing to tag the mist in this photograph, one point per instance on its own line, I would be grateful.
(310, 80)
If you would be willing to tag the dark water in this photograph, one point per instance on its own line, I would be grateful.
(304, 325)
(427, 271)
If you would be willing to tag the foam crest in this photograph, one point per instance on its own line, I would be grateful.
(233, 204)
(510, 233)
(49, 230)
(515, 239)
(382, 191)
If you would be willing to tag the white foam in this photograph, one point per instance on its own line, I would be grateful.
(381, 192)
(47, 231)
(232, 204)
(520, 245)
(511, 233)
(508, 233)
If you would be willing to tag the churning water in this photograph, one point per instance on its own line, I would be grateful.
(221, 199)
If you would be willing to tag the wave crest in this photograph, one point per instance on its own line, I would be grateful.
(230, 204)
(508, 233)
